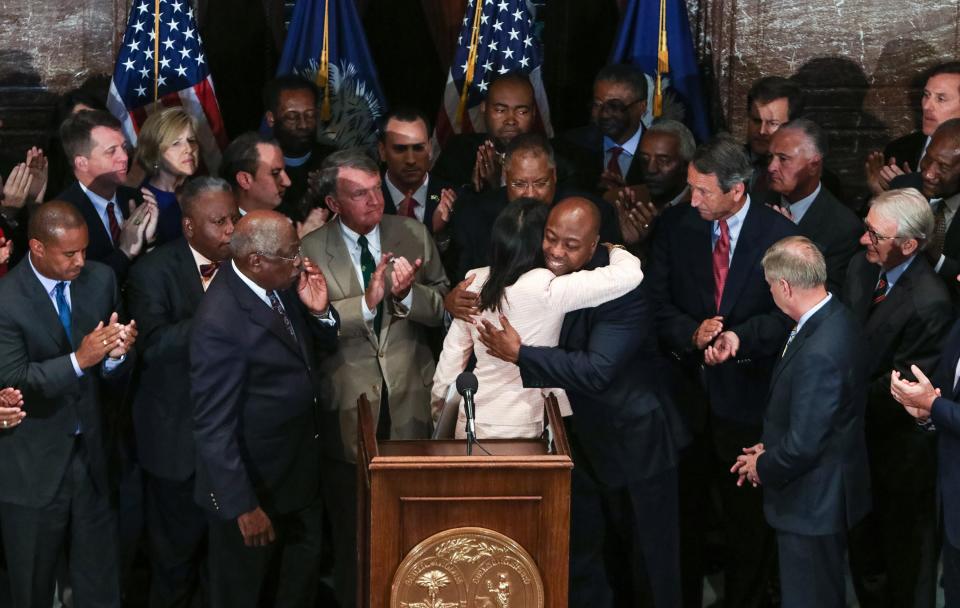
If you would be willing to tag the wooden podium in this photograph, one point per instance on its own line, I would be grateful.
(411, 491)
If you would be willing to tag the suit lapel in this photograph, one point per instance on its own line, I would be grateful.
(95, 225)
(82, 316)
(42, 305)
(814, 216)
(391, 239)
(261, 313)
(796, 345)
(340, 265)
(896, 297)
(743, 256)
(701, 258)
(291, 304)
(191, 284)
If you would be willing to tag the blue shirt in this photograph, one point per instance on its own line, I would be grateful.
(799, 208)
(629, 151)
(894, 274)
(734, 224)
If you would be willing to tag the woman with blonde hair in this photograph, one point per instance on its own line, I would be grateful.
(167, 150)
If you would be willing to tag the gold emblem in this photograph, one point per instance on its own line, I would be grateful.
(467, 568)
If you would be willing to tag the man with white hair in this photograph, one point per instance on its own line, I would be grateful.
(905, 311)
(812, 451)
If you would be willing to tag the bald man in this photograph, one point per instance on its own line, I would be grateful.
(59, 341)
(253, 379)
(624, 486)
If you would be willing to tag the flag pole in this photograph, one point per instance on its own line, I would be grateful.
(663, 61)
(323, 73)
(471, 62)
(156, 52)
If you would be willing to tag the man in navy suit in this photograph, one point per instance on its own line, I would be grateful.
(97, 152)
(935, 403)
(812, 459)
(624, 534)
(253, 382)
(716, 317)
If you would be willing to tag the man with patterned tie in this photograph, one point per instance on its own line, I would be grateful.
(386, 316)
(59, 341)
(811, 460)
(255, 346)
(718, 320)
(96, 151)
(905, 312)
(163, 293)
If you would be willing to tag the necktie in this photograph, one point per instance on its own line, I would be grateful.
(613, 165)
(208, 270)
(278, 308)
(721, 262)
(367, 266)
(793, 334)
(63, 309)
(939, 231)
(880, 291)
(114, 225)
(408, 207)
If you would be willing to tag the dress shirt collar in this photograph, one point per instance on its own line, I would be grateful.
(683, 196)
(48, 284)
(894, 274)
(98, 201)
(629, 146)
(800, 208)
(952, 204)
(806, 316)
(420, 194)
(296, 161)
(260, 292)
(373, 240)
(926, 144)
(199, 260)
(734, 223)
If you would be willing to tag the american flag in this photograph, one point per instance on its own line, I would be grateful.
(505, 42)
(183, 77)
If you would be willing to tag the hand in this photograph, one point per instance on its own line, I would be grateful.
(461, 303)
(891, 170)
(128, 336)
(501, 343)
(98, 343)
(611, 181)
(11, 412)
(6, 250)
(403, 276)
(153, 217)
(256, 528)
(133, 236)
(872, 167)
(635, 213)
(317, 217)
(708, 330)
(441, 215)
(312, 288)
(724, 347)
(916, 397)
(38, 165)
(486, 169)
(746, 465)
(17, 189)
(375, 290)
(784, 211)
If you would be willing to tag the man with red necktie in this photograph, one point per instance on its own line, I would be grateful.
(718, 321)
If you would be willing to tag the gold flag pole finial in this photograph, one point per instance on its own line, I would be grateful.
(663, 61)
(323, 73)
(156, 52)
(471, 62)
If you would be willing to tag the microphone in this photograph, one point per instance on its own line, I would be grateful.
(467, 387)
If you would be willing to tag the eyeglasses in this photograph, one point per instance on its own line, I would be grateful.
(876, 237)
(296, 256)
(613, 106)
(540, 184)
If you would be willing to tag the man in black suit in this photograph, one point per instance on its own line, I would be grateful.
(291, 111)
(253, 382)
(939, 180)
(905, 312)
(716, 317)
(475, 160)
(59, 338)
(97, 151)
(624, 534)
(797, 151)
(811, 459)
(408, 187)
(163, 292)
(940, 102)
(604, 152)
(935, 403)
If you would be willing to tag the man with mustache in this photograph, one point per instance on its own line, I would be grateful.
(163, 293)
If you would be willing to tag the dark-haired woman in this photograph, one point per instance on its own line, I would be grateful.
(517, 286)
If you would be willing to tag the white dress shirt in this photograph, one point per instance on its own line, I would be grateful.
(373, 244)
(100, 204)
(199, 259)
(419, 195)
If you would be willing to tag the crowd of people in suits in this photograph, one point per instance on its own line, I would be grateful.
(758, 375)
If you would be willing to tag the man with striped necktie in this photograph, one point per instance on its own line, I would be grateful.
(905, 312)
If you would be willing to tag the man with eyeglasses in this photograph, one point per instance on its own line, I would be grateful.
(385, 277)
(254, 350)
(291, 111)
(905, 312)
(603, 152)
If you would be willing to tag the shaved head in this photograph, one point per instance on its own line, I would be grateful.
(579, 209)
(52, 219)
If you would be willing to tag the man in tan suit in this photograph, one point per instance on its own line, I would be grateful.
(385, 279)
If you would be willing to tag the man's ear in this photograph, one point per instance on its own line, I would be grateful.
(332, 203)
(187, 225)
(36, 248)
(382, 149)
(909, 246)
(270, 118)
(244, 180)
(80, 163)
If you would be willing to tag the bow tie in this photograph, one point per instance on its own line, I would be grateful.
(208, 270)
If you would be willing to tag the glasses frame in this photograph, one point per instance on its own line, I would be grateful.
(299, 254)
